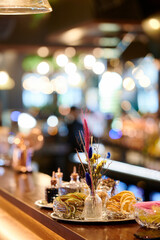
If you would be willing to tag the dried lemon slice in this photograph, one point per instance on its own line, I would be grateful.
(122, 202)
(125, 192)
(127, 206)
(114, 207)
(127, 196)
(131, 207)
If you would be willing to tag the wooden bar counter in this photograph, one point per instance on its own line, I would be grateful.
(20, 217)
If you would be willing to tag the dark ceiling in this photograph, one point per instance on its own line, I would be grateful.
(85, 17)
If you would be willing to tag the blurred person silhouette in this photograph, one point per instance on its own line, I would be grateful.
(74, 125)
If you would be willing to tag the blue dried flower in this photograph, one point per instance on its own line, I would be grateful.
(108, 155)
(88, 179)
(90, 153)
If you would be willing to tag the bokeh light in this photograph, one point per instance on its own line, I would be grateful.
(43, 51)
(112, 79)
(115, 134)
(89, 61)
(45, 85)
(144, 81)
(98, 68)
(38, 83)
(128, 84)
(52, 121)
(43, 68)
(52, 131)
(15, 115)
(70, 52)
(137, 72)
(98, 52)
(117, 124)
(4, 77)
(125, 105)
(70, 68)
(60, 84)
(63, 110)
(26, 121)
(74, 80)
(154, 23)
(129, 64)
(62, 60)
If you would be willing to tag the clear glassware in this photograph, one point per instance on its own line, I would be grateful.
(109, 186)
(70, 187)
(148, 216)
(93, 207)
(84, 187)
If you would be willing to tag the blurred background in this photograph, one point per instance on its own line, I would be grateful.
(103, 56)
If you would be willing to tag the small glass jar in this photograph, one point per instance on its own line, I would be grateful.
(50, 194)
(70, 187)
(93, 207)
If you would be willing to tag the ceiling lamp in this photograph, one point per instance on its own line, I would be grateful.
(20, 7)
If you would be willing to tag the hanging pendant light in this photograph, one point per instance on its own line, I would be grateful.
(20, 7)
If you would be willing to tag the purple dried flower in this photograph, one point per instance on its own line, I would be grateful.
(108, 155)
(88, 179)
(90, 153)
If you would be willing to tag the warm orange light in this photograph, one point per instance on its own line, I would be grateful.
(64, 110)
(17, 141)
(154, 23)
(52, 131)
(40, 138)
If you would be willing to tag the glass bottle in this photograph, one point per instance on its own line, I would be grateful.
(74, 179)
(51, 191)
(59, 177)
(84, 187)
(93, 207)
(54, 185)
(72, 186)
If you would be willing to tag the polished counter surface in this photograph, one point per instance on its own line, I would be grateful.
(22, 190)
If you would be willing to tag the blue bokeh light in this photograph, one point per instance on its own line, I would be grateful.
(14, 116)
(115, 134)
(154, 196)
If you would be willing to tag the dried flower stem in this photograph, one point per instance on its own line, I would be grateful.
(89, 166)
(107, 167)
(81, 161)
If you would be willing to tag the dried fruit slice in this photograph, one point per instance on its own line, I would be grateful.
(114, 207)
(72, 208)
(64, 197)
(127, 206)
(80, 196)
(127, 196)
(74, 201)
(68, 214)
(131, 207)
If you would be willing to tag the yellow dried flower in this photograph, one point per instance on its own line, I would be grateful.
(96, 156)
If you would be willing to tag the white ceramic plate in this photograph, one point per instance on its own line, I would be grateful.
(43, 204)
(89, 221)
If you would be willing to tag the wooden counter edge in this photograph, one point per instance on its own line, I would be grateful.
(45, 220)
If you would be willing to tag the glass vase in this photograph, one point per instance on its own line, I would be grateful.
(93, 207)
